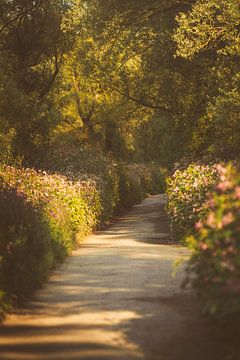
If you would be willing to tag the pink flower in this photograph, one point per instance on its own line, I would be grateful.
(211, 203)
(223, 186)
(211, 220)
(227, 219)
(203, 246)
(198, 225)
(221, 170)
(237, 192)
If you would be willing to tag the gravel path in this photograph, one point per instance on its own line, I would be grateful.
(115, 298)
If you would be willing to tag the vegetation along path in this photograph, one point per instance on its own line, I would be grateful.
(115, 298)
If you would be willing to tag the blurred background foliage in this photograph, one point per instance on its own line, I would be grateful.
(151, 81)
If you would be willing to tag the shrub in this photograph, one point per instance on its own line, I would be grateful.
(27, 249)
(215, 261)
(131, 190)
(187, 192)
(42, 218)
(120, 185)
(138, 180)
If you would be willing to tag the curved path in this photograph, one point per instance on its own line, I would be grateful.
(116, 299)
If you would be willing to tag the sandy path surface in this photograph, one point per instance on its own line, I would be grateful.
(115, 298)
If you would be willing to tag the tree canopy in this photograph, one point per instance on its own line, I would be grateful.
(144, 81)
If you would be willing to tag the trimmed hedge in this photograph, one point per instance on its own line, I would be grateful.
(44, 216)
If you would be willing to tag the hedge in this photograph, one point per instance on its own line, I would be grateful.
(204, 208)
(214, 268)
(187, 193)
(44, 216)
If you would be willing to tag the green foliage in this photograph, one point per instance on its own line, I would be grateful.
(120, 184)
(209, 33)
(6, 148)
(121, 74)
(209, 25)
(32, 46)
(215, 263)
(204, 209)
(44, 216)
(187, 192)
(135, 180)
(87, 87)
(27, 251)
(104, 74)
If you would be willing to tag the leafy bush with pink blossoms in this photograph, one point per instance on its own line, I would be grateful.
(120, 184)
(215, 262)
(204, 208)
(44, 216)
(187, 192)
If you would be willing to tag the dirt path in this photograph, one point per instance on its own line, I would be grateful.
(115, 298)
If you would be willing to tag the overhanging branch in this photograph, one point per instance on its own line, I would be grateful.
(146, 103)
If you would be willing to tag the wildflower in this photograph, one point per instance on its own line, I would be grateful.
(203, 246)
(211, 203)
(223, 186)
(227, 219)
(211, 221)
(198, 225)
(237, 192)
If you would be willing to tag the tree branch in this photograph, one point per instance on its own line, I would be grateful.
(146, 103)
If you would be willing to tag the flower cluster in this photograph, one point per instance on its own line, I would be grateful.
(58, 197)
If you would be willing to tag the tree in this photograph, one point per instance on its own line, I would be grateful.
(32, 46)
(211, 31)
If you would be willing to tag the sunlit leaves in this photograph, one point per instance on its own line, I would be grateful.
(209, 25)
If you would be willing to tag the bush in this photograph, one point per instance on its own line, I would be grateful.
(120, 185)
(215, 262)
(25, 244)
(44, 216)
(187, 192)
(131, 190)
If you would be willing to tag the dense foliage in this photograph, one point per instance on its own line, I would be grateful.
(188, 192)
(215, 262)
(204, 210)
(143, 81)
(89, 86)
(44, 216)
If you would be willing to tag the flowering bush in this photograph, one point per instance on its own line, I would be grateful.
(27, 248)
(44, 216)
(120, 185)
(215, 262)
(187, 192)
(75, 203)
